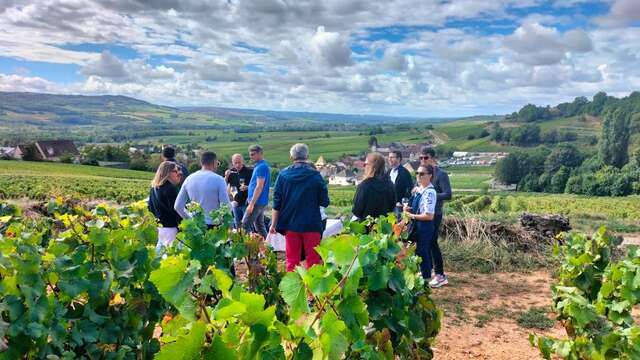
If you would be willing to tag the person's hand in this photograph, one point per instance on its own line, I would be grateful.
(407, 209)
(234, 203)
(272, 229)
(249, 209)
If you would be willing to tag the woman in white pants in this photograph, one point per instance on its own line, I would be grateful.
(162, 197)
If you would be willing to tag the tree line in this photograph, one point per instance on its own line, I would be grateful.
(579, 106)
(612, 171)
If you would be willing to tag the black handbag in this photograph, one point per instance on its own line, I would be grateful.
(412, 226)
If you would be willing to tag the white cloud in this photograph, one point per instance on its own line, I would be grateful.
(622, 12)
(188, 52)
(577, 41)
(463, 50)
(107, 66)
(535, 44)
(393, 60)
(218, 69)
(330, 48)
(12, 82)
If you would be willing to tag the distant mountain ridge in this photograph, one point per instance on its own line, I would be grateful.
(262, 115)
(28, 100)
(69, 108)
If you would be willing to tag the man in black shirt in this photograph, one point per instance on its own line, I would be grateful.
(237, 178)
(169, 154)
(400, 178)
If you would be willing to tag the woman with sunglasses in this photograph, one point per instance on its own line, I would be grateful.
(162, 198)
(375, 195)
(422, 211)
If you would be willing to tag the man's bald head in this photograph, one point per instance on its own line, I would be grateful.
(237, 161)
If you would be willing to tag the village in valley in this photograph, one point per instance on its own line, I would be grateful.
(346, 171)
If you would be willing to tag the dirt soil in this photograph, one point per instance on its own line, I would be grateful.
(481, 312)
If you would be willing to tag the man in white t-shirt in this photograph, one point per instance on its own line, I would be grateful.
(204, 187)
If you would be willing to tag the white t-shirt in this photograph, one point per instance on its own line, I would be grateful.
(207, 189)
(393, 174)
(428, 200)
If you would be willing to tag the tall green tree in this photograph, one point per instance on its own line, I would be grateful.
(614, 148)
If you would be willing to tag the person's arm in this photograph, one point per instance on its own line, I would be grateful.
(277, 194)
(181, 202)
(256, 194)
(223, 194)
(324, 194)
(421, 217)
(407, 184)
(445, 187)
(274, 220)
(358, 203)
(427, 206)
(150, 202)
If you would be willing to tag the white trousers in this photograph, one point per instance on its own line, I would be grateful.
(166, 236)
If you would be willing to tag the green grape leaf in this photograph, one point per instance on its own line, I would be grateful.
(223, 281)
(332, 338)
(354, 312)
(265, 317)
(207, 283)
(303, 352)
(228, 308)
(173, 282)
(253, 302)
(396, 281)
(294, 293)
(344, 249)
(353, 281)
(378, 279)
(620, 306)
(219, 350)
(186, 347)
(260, 337)
(319, 280)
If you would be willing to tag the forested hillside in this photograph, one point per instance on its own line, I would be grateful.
(606, 164)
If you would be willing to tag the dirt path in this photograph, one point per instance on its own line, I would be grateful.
(482, 312)
(631, 239)
(438, 138)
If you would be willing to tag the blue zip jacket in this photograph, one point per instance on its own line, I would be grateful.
(299, 192)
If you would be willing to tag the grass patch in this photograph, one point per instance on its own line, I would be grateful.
(535, 318)
(485, 257)
(491, 314)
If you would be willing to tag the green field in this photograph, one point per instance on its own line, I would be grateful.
(330, 144)
(68, 170)
(467, 178)
(42, 181)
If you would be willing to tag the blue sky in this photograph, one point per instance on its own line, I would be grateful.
(404, 57)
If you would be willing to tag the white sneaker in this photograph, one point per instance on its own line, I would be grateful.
(438, 281)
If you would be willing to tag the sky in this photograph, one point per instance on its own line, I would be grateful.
(422, 58)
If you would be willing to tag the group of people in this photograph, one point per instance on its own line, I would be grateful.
(382, 192)
(300, 196)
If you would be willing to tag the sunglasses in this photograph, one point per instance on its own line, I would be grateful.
(425, 157)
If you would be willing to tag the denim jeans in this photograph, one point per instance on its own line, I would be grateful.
(238, 214)
(423, 247)
(255, 220)
(436, 254)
